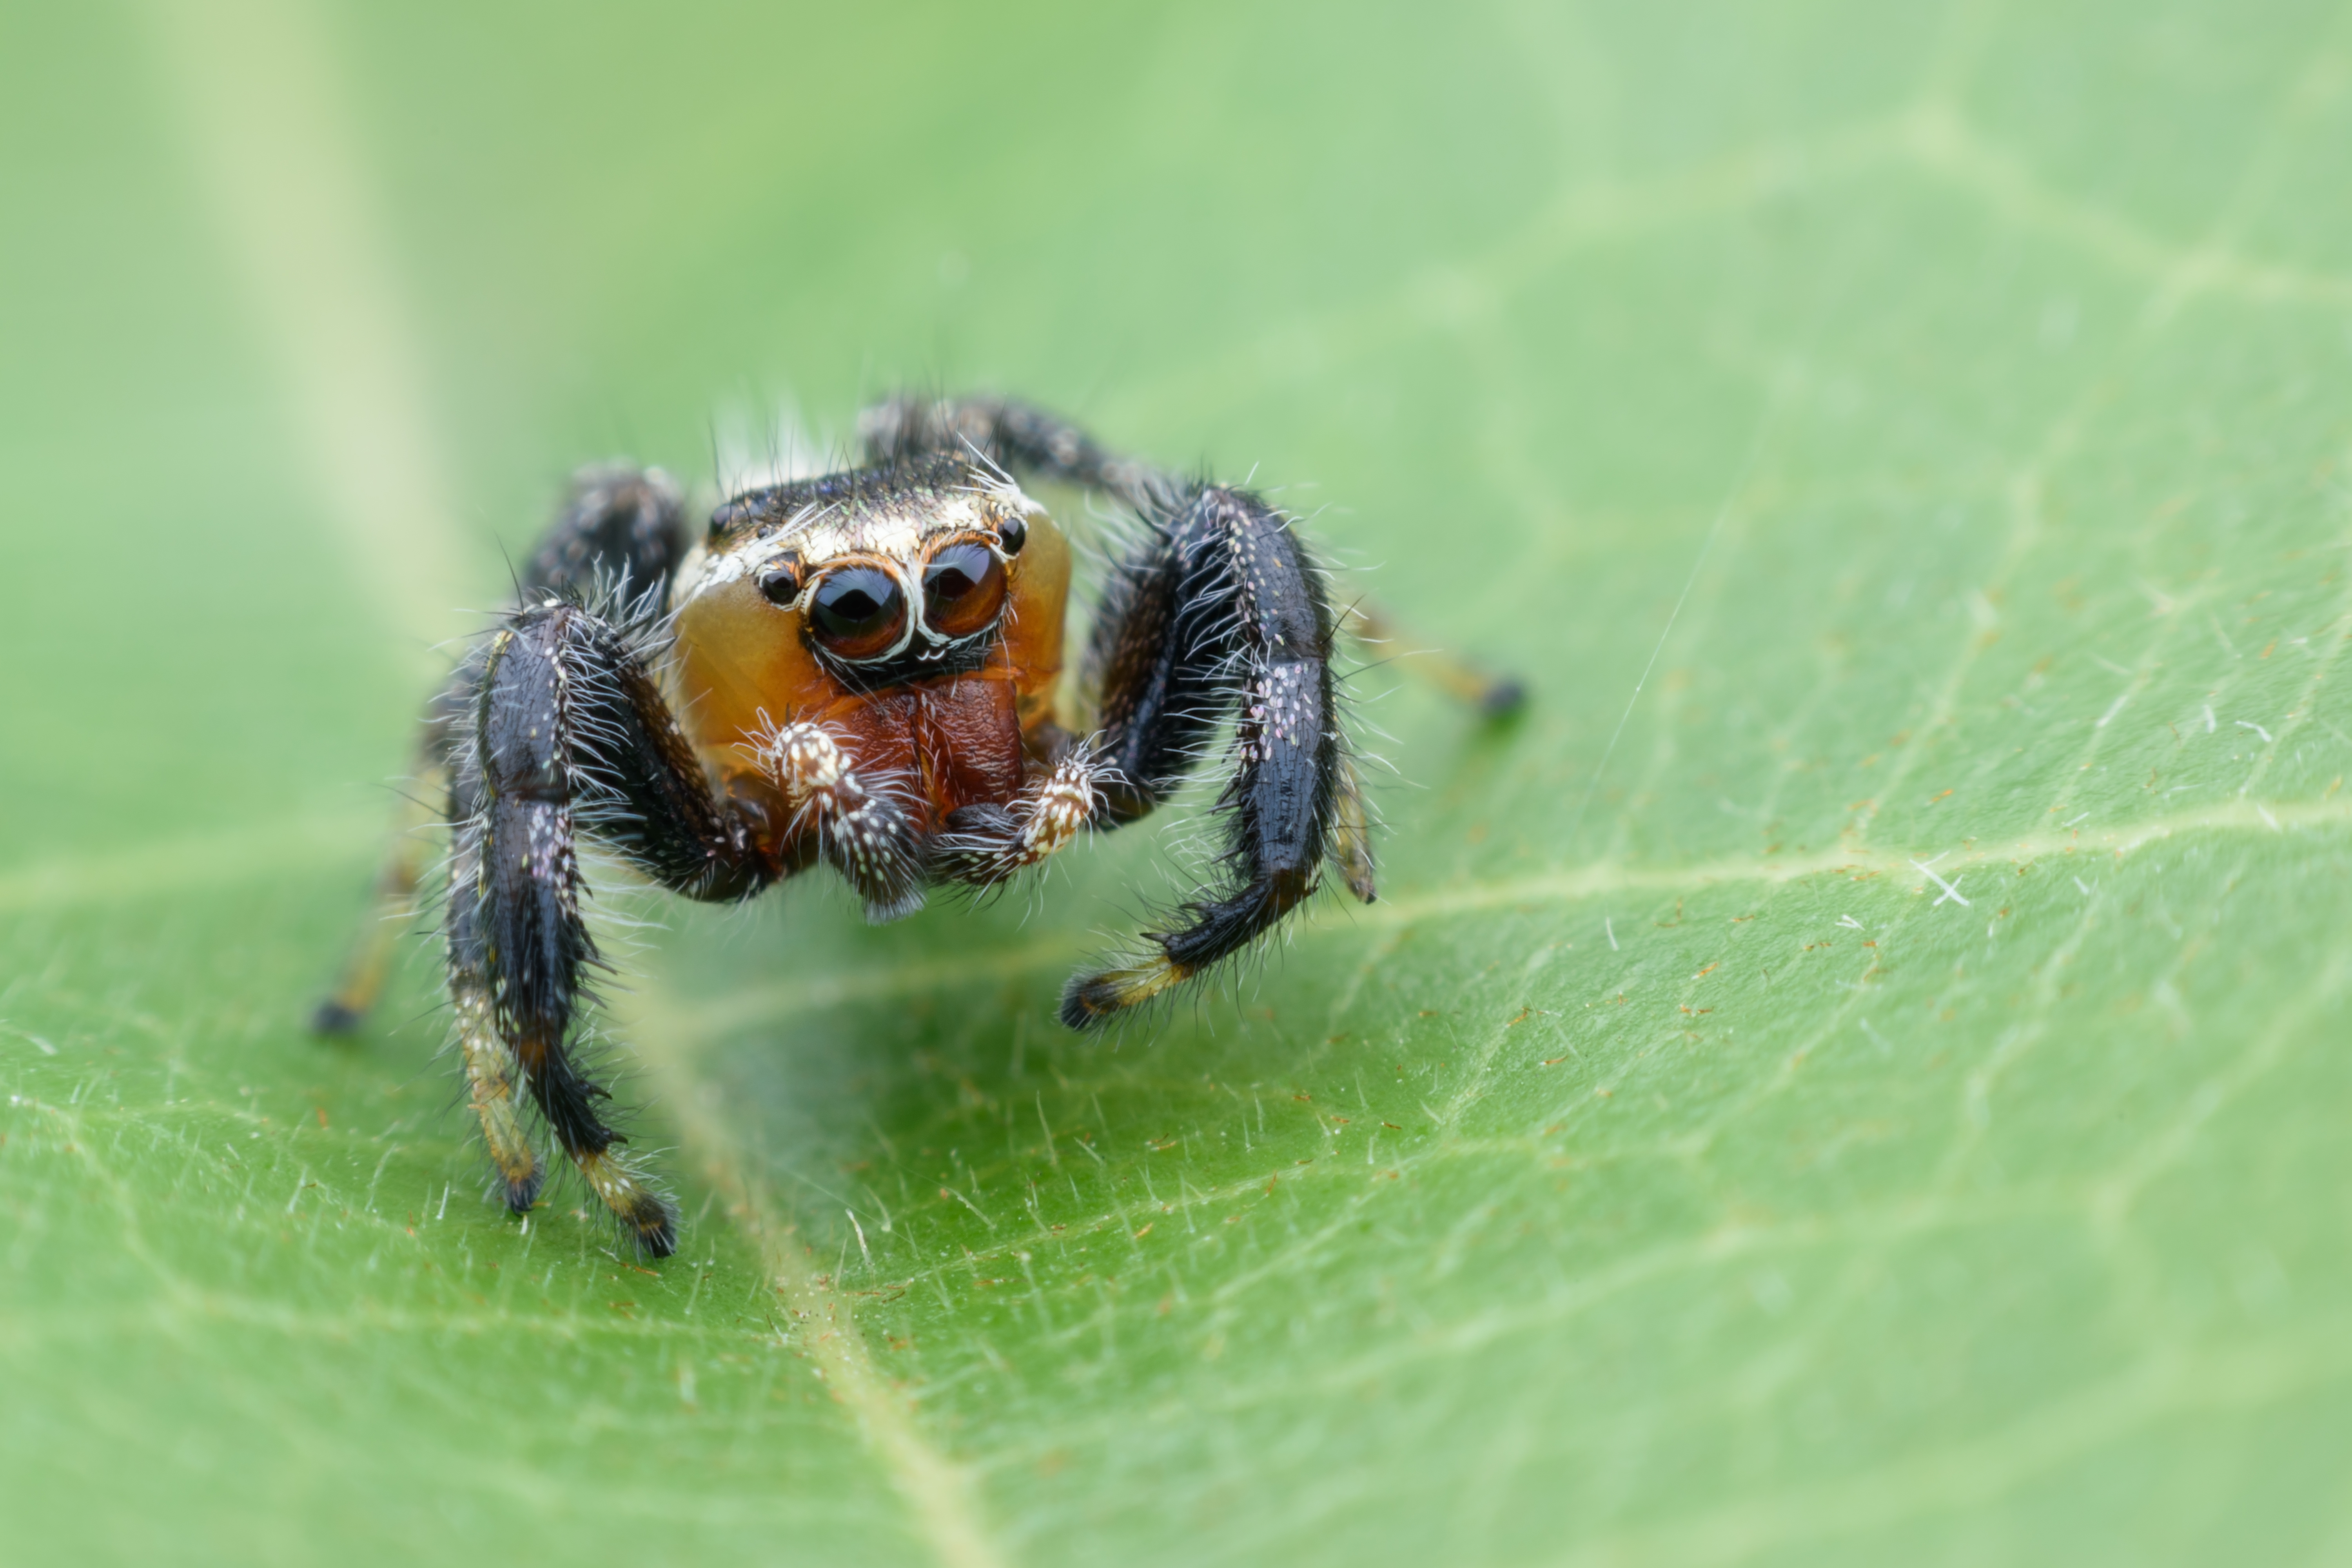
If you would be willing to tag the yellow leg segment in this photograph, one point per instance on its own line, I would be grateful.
(623, 1189)
(1494, 695)
(1090, 999)
(1351, 834)
(362, 980)
(493, 1081)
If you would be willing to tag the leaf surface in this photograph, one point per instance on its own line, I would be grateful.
(1854, 1073)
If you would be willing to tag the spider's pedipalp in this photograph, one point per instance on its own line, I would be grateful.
(986, 845)
(861, 831)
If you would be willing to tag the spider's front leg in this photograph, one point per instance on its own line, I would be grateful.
(1222, 612)
(568, 732)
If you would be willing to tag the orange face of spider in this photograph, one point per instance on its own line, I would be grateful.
(915, 615)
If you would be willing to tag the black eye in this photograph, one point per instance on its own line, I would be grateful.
(1013, 536)
(857, 611)
(781, 583)
(963, 588)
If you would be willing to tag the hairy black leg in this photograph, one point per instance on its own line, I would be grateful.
(494, 1075)
(1223, 613)
(619, 529)
(568, 734)
(619, 534)
(1014, 435)
(553, 727)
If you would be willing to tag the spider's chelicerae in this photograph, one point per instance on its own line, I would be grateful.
(862, 669)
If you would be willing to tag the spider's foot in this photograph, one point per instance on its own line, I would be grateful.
(1089, 1001)
(649, 1218)
(520, 1192)
(521, 1176)
(1502, 697)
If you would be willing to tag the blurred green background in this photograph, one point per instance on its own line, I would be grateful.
(1856, 1074)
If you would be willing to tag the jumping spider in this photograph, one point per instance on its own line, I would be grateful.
(861, 669)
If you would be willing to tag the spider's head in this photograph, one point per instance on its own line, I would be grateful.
(868, 580)
(910, 585)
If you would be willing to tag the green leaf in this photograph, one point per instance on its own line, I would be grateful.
(1854, 1073)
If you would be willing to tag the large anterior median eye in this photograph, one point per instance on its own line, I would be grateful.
(963, 588)
(857, 611)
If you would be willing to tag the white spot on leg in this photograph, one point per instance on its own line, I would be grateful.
(805, 761)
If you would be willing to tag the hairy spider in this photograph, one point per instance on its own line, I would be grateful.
(862, 669)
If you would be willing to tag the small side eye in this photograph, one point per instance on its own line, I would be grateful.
(1011, 536)
(964, 589)
(857, 611)
(781, 582)
(724, 521)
